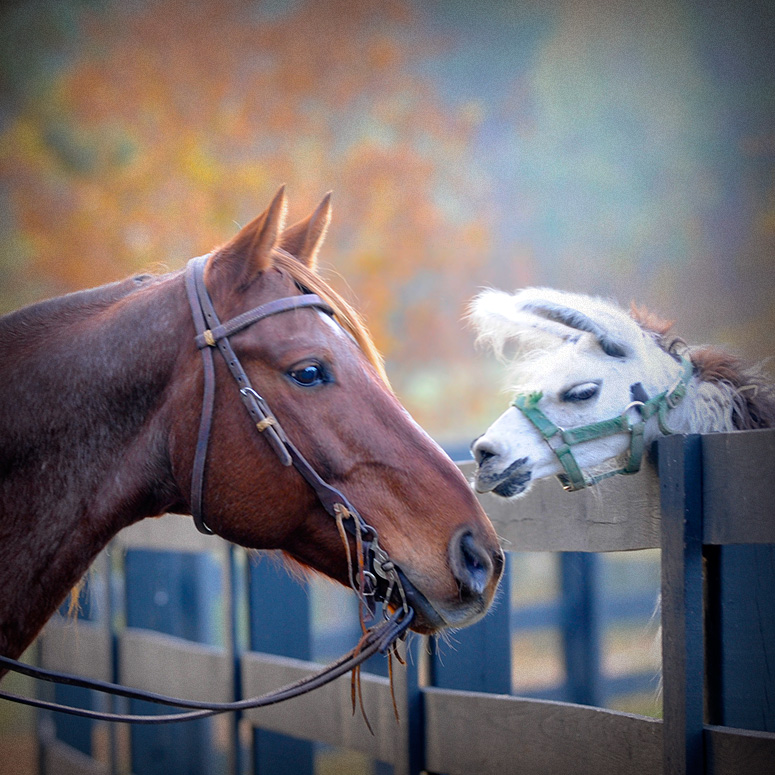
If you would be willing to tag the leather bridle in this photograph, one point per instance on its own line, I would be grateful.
(377, 578)
(379, 570)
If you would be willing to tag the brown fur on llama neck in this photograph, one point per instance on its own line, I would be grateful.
(756, 405)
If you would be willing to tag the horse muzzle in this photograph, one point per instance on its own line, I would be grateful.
(476, 570)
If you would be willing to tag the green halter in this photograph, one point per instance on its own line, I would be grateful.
(574, 478)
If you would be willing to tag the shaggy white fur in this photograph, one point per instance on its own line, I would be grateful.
(584, 354)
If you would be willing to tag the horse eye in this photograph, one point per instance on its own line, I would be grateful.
(309, 375)
(582, 392)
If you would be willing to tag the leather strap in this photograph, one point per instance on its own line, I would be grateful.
(224, 330)
(379, 638)
(211, 333)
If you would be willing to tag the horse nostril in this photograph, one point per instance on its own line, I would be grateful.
(471, 564)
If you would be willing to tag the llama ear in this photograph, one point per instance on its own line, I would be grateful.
(250, 251)
(495, 317)
(538, 313)
(303, 239)
(574, 318)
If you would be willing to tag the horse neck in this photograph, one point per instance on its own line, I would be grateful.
(82, 437)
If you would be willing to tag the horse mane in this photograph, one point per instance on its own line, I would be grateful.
(344, 313)
(70, 305)
(751, 393)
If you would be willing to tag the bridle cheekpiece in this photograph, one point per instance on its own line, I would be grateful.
(378, 576)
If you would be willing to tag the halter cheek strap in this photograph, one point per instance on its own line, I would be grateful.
(562, 441)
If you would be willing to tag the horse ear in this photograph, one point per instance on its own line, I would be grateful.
(254, 243)
(303, 239)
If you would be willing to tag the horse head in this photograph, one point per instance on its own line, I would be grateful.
(576, 362)
(320, 374)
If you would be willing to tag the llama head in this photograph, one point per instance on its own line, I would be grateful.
(584, 356)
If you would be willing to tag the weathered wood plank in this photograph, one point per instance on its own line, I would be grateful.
(740, 636)
(738, 476)
(77, 646)
(680, 472)
(162, 663)
(618, 514)
(326, 714)
(739, 751)
(470, 733)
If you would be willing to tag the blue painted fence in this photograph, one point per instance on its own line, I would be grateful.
(715, 673)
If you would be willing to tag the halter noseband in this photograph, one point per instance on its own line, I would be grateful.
(564, 440)
(380, 575)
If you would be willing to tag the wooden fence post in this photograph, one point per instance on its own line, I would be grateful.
(741, 637)
(580, 625)
(680, 476)
(280, 623)
(72, 730)
(173, 593)
(415, 710)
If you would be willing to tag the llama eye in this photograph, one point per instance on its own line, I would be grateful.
(582, 392)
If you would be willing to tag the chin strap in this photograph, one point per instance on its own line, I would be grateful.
(562, 441)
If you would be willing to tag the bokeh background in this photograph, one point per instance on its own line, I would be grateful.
(619, 148)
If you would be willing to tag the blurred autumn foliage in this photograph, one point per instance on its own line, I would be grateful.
(174, 122)
(619, 149)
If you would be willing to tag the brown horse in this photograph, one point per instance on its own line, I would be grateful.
(101, 398)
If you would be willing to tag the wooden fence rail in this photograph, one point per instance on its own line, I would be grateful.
(707, 504)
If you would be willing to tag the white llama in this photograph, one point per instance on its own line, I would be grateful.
(594, 385)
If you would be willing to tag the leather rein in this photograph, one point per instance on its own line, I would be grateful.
(376, 578)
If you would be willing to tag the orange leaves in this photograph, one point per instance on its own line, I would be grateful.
(178, 120)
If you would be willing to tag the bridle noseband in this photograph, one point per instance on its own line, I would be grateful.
(561, 441)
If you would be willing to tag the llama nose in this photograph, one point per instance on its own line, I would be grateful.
(484, 450)
(473, 564)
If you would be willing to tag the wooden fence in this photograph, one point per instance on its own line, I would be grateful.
(707, 503)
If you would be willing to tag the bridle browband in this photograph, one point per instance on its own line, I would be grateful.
(561, 441)
(377, 578)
